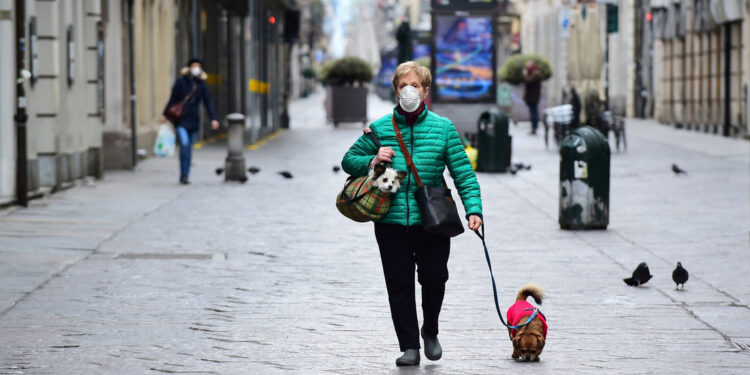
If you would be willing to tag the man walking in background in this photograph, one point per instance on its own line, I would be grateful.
(532, 77)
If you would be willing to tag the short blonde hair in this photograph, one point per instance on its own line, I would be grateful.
(410, 66)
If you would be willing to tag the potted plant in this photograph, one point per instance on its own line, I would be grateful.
(510, 91)
(346, 93)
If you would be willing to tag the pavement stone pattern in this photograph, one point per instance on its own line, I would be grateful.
(136, 274)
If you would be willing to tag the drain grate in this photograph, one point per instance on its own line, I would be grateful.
(165, 256)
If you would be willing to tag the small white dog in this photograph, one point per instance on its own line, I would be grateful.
(386, 179)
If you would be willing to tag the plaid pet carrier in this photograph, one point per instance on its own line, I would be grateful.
(362, 202)
(359, 200)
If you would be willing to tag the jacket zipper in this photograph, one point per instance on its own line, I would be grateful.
(411, 151)
(408, 183)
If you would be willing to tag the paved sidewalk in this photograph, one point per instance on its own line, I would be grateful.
(137, 274)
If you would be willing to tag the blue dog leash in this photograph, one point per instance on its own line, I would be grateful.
(494, 287)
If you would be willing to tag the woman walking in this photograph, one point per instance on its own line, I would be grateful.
(191, 83)
(433, 143)
(532, 76)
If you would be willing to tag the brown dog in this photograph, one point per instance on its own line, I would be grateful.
(528, 341)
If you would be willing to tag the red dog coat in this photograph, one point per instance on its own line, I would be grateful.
(520, 309)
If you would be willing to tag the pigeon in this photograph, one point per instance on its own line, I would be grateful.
(641, 275)
(336, 169)
(677, 170)
(520, 166)
(219, 171)
(253, 170)
(680, 276)
(286, 174)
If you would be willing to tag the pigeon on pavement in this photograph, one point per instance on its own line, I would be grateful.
(286, 174)
(680, 276)
(641, 275)
(677, 170)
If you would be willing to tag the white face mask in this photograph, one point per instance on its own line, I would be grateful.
(409, 99)
(196, 71)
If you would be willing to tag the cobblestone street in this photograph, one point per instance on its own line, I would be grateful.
(137, 274)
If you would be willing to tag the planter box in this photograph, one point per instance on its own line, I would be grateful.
(346, 104)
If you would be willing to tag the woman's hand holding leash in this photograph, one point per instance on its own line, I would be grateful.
(475, 222)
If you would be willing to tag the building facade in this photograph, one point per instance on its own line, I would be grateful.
(102, 72)
(64, 95)
(682, 62)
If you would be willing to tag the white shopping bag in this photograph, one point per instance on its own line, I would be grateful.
(165, 141)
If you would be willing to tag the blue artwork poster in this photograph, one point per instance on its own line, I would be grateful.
(464, 54)
(420, 50)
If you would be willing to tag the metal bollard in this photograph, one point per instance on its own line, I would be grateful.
(234, 167)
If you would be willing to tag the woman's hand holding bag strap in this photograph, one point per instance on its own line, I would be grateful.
(438, 209)
(174, 112)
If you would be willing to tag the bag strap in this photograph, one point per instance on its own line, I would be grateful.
(494, 287)
(356, 196)
(189, 94)
(372, 137)
(405, 151)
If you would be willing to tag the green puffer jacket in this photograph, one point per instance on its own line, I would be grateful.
(433, 143)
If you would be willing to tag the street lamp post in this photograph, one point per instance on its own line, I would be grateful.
(21, 117)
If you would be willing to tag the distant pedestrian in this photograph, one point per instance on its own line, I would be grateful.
(404, 39)
(532, 77)
(434, 144)
(192, 82)
(575, 102)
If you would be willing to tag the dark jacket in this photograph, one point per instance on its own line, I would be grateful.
(403, 37)
(533, 89)
(433, 143)
(191, 111)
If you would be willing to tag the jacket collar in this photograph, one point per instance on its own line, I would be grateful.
(401, 119)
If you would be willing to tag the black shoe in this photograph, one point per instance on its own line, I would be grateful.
(409, 358)
(184, 180)
(432, 349)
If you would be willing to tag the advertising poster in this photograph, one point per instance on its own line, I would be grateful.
(420, 50)
(464, 55)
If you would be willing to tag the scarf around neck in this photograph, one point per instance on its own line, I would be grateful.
(411, 118)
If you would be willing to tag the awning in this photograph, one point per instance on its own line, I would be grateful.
(724, 11)
(703, 20)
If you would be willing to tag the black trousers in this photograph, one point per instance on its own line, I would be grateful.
(401, 249)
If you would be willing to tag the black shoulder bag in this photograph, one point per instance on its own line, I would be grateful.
(438, 209)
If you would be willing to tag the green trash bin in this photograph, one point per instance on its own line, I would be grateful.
(493, 141)
(584, 180)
